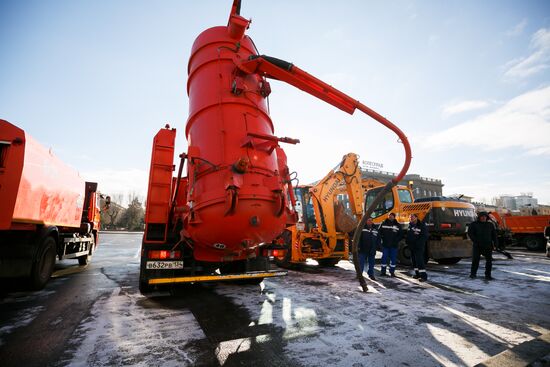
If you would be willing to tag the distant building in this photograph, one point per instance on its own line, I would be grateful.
(544, 210)
(422, 186)
(507, 202)
(526, 199)
(524, 203)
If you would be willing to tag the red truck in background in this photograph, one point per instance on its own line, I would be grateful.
(526, 230)
(46, 210)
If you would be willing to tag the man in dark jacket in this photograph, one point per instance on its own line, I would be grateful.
(417, 235)
(484, 238)
(390, 233)
(368, 243)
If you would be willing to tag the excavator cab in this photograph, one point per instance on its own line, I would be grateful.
(304, 207)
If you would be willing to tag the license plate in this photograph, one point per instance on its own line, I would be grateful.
(164, 265)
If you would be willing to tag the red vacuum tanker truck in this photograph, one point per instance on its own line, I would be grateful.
(46, 210)
(222, 219)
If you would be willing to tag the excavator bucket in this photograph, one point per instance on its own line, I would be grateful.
(345, 222)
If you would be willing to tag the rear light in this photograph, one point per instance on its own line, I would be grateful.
(445, 225)
(274, 253)
(279, 253)
(164, 254)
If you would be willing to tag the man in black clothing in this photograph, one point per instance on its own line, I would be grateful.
(391, 234)
(417, 235)
(369, 242)
(484, 238)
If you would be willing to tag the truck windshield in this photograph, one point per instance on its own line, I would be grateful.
(304, 206)
(385, 206)
(404, 196)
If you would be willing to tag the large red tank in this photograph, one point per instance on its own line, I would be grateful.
(237, 191)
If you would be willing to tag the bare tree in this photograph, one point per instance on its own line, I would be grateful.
(109, 216)
(133, 217)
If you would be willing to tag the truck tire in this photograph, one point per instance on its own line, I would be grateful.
(44, 263)
(533, 243)
(85, 259)
(404, 254)
(448, 261)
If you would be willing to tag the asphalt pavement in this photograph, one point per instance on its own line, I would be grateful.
(95, 316)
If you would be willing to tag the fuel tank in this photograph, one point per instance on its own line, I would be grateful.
(238, 185)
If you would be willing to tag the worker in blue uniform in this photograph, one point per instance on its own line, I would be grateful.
(368, 243)
(390, 233)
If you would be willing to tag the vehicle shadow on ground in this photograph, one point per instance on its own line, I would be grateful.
(234, 337)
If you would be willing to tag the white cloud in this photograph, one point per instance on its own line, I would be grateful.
(517, 29)
(538, 60)
(463, 106)
(523, 122)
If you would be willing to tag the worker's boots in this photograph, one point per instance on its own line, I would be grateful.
(423, 276)
(416, 274)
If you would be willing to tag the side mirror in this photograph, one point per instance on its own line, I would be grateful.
(107, 202)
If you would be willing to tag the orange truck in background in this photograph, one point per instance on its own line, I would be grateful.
(46, 210)
(527, 230)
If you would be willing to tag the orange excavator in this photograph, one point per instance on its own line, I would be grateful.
(322, 231)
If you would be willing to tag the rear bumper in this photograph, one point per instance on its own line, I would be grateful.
(215, 278)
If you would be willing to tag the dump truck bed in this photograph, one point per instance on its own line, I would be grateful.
(35, 186)
(527, 223)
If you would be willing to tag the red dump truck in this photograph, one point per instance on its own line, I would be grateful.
(46, 210)
(527, 230)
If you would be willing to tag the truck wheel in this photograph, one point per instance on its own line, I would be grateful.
(85, 259)
(44, 263)
(448, 261)
(404, 254)
(533, 243)
(326, 263)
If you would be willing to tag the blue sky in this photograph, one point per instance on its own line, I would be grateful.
(467, 81)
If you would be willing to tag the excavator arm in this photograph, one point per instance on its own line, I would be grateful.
(346, 174)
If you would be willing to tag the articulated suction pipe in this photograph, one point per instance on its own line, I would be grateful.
(381, 194)
(271, 67)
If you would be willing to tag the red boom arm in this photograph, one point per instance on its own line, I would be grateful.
(273, 68)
